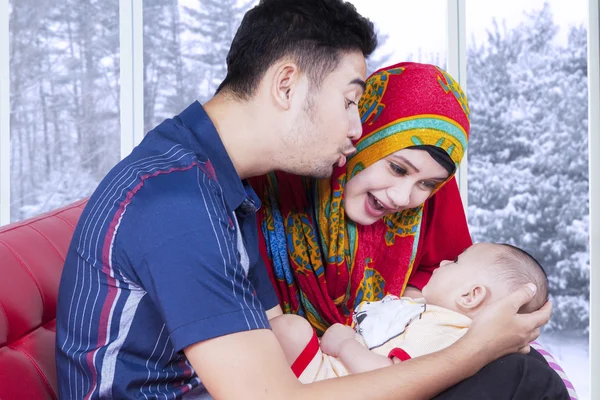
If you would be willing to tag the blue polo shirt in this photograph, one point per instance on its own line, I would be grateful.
(165, 255)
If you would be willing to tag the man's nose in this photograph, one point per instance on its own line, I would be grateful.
(355, 128)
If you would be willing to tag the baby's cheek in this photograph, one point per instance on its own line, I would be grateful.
(425, 291)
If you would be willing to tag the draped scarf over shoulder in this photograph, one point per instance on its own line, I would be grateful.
(323, 264)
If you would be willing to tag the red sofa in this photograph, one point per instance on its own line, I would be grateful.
(32, 254)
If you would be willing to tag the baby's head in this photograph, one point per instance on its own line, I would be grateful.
(482, 274)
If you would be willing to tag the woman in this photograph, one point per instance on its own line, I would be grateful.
(383, 222)
(401, 212)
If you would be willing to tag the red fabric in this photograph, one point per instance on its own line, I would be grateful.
(399, 354)
(32, 254)
(403, 91)
(332, 289)
(444, 235)
(415, 98)
(307, 355)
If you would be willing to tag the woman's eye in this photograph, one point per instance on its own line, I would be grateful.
(397, 169)
(428, 185)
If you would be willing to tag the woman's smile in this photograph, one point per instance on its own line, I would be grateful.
(374, 207)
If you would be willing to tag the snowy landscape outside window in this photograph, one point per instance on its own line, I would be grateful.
(64, 100)
(186, 42)
(528, 153)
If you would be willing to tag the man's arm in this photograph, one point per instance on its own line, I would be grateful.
(258, 365)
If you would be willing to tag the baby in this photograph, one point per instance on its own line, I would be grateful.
(397, 329)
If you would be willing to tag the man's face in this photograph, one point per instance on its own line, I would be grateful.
(328, 120)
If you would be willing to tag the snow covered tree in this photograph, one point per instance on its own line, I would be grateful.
(64, 100)
(528, 182)
(213, 24)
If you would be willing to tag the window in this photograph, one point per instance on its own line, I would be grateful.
(185, 46)
(402, 37)
(528, 154)
(64, 101)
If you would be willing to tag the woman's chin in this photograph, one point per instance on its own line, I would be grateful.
(361, 218)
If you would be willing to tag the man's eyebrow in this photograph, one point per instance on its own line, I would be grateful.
(359, 82)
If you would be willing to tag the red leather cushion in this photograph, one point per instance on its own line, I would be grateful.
(32, 254)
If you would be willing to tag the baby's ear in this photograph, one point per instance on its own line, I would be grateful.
(472, 298)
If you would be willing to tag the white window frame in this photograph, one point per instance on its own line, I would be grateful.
(131, 24)
(4, 116)
(594, 182)
(456, 66)
(131, 89)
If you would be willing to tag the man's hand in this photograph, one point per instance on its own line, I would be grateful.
(334, 337)
(500, 330)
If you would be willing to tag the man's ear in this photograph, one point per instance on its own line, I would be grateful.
(284, 84)
(472, 298)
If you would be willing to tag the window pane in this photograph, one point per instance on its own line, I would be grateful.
(64, 100)
(528, 155)
(403, 35)
(185, 46)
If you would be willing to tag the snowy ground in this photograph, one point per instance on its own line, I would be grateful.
(572, 353)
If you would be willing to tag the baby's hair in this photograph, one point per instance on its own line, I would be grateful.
(516, 267)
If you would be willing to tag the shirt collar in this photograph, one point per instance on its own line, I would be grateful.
(206, 142)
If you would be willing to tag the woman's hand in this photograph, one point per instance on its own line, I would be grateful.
(334, 337)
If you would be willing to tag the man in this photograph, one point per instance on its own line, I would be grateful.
(163, 293)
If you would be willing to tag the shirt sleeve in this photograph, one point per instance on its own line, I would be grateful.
(178, 243)
(444, 233)
(201, 292)
(265, 291)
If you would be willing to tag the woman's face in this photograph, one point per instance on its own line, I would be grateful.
(402, 180)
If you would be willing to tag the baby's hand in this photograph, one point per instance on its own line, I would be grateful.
(334, 336)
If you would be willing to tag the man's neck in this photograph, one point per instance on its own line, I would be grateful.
(245, 133)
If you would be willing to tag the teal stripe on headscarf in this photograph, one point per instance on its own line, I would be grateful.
(419, 123)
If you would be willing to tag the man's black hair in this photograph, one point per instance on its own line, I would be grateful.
(312, 33)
